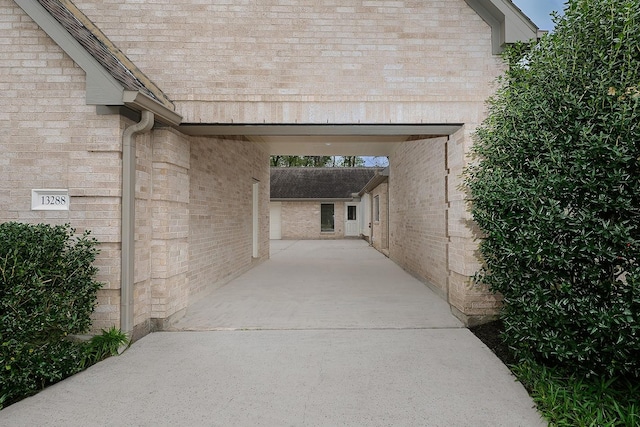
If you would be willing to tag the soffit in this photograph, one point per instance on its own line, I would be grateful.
(324, 140)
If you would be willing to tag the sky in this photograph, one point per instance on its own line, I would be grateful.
(539, 11)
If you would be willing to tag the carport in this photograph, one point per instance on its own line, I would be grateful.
(428, 231)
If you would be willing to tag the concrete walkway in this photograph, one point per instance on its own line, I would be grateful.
(325, 333)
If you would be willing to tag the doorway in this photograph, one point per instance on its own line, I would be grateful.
(351, 221)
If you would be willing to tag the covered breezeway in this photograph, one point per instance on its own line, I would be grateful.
(427, 228)
(321, 284)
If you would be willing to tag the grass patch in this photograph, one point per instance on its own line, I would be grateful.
(573, 400)
(569, 399)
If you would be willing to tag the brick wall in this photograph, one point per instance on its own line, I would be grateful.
(49, 138)
(431, 232)
(222, 174)
(169, 216)
(277, 61)
(304, 61)
(301, 220)
(418, 228)
(380, 228)
(472, 303)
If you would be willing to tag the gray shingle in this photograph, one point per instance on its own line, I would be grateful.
(102, 49)
(319, 183)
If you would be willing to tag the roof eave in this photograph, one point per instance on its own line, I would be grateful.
(377, 179)
(139, 101)
(320, 199)
(508, 23)
(102, 89)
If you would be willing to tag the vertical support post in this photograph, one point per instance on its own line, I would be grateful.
(255, 219)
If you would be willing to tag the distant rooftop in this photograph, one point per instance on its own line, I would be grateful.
(319, 183)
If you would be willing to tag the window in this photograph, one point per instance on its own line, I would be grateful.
(376, 209)
(326, 217)
(351, 213)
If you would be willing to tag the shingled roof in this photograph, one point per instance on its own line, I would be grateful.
(102, 49)
(318, 183)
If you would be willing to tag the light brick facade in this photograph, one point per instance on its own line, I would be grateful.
(417, 200)
(220, 236)
(50, 138)
(380, 224)
(224, 62)
(430, 231)
(304, 61)
(301, 220)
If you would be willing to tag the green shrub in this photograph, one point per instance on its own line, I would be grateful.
(104, 345)
(47, 292)
(571, 400)
(555, 191)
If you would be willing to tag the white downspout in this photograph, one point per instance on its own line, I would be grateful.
(129, 219)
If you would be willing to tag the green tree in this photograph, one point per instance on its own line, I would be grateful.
(350, 161)
(300, 161)
(317, 161)
(555, 191)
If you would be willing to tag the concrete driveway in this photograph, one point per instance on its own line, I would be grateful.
(326, 333)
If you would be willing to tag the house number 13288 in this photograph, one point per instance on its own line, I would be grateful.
(54, 200)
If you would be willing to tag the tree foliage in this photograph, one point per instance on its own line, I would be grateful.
(300, 161)
(555, 191)
(319, 161)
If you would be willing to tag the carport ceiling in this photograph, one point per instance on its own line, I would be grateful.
(324, 140)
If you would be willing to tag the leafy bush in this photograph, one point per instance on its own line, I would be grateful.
(47, 292)
(104, 345)
(555, 191)
(577, 401)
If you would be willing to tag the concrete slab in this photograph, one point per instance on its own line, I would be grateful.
(332, 284)
(437, 377)
(324, 334)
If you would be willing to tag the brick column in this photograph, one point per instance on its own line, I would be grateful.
(170, 227)
(473, 304)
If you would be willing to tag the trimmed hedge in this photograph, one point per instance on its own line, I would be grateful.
(47, 292)
(555, 191)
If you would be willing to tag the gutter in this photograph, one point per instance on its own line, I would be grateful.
(150, 111)
(127, 253)
(377, 179)
(110, 96)
(139, 101)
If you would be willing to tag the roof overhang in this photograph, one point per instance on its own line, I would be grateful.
(313, 200)
(377, 179)
(139, 101)
(350, 139)
(508, 23)
(314, 129)
(102, 89)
